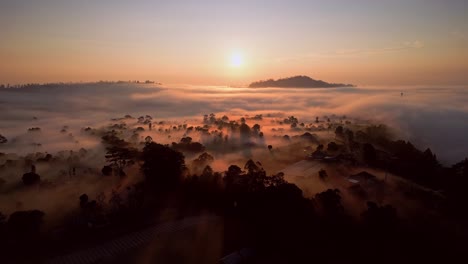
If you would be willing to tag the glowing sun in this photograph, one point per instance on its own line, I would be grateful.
(236, 59)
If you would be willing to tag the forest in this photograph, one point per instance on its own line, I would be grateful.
(282, 188)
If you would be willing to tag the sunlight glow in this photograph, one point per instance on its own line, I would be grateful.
(236, 59)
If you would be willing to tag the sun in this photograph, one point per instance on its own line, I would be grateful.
(236, 59)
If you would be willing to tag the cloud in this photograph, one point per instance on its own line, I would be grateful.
(407, 45)
(429, 116)
(459, 35)
(341, 53)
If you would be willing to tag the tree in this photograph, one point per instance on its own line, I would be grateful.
(31, 178)
(203, 160)
(252, 167)
(148, 139)
(2, 224)
(2, 182)
(2, 221)
(207, 173)
(275, 180)
(256, 176)
(330, 202)
(369, 154)
(349, 135)
(26, 223)
(84, 200)
(121, 157)
(244, 132)
(186, 144)
(106, 170)
(3, 139)
(381, 217)
(256, 129)
(332, 146)
(186, 140)
(163, 166)
(232, 175)
(339, 131)
(323, 174)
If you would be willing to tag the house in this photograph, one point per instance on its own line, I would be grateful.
(366, 186)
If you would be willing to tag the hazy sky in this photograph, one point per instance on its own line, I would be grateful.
(387, 42)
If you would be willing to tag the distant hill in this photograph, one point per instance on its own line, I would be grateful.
(297, 81)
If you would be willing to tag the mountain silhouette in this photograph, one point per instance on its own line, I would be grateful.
(297, 81)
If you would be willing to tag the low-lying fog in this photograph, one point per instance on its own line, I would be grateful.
(429, 117)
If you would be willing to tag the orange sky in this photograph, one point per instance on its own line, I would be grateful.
(384, 43)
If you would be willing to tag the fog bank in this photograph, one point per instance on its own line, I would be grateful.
(428, 116)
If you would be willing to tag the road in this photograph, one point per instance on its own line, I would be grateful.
(133, 240)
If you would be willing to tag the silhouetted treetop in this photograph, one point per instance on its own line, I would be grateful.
(3, 139)
(186, 144)
(26, 223)
(163, 166)
(31, 178)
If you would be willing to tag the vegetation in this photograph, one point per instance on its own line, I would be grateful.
(297, 81)
(268, 212)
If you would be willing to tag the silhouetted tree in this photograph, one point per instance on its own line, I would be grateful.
(121, 157)
(3, 222)
(2, 219)
(349, 135)
(323, 174)
(186, 144)
(203, 160)
(332, 146)
(115, 201)
(25, 223)
(381, 217)
(2, 182)
(84, 200)
(31, 178)
(245, 132)
(329, 202)
(148, 139)
(369, 154)
(162, 166)
(256, 129)
(106, 170)
(275, 180)
(232, 175)
(207, 173)
(186, 140)
(3, 139)
(339, 131)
